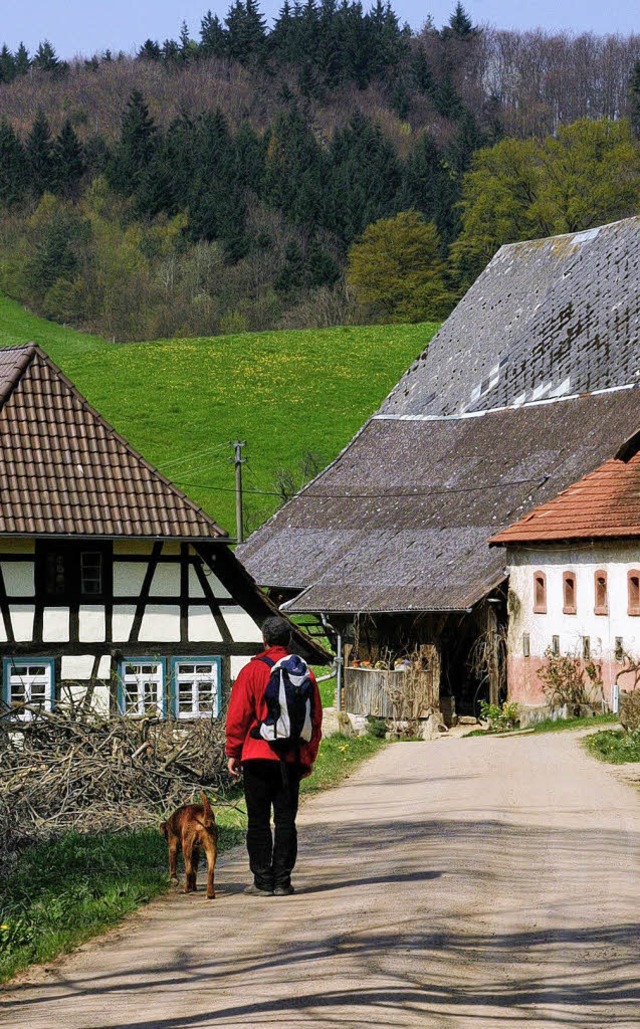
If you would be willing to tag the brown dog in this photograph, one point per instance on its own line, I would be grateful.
(189, 828)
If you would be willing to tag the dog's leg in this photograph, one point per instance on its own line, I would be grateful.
(187, 854)
(173, 858)
(211, 852)
(195, 861)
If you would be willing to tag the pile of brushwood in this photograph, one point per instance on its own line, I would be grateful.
(61, 773)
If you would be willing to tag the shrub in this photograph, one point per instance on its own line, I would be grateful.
(500, 717)
(567, 680)
(376, 727)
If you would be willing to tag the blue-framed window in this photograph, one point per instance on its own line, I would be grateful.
(28, 683)
(142, 686)
(197, 687)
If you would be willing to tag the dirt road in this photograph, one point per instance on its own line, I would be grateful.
(461, 883)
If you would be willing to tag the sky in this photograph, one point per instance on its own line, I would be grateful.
(85, 27)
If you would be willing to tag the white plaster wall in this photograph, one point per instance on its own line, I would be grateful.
(128, 578)
(219, 591)
(22, 621)
(585, 561)
(195, 589)
(19, 579)
(99, 701)
(92, 624)
(160, 622)
(123, 615)
(166, 581)
(202, 625)
(55, 624)
(76, 667)
(242, 627)
(237, 664)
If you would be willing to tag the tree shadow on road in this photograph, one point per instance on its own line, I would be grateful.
(427, 964)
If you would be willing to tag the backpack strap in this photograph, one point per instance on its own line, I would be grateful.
(266, 661)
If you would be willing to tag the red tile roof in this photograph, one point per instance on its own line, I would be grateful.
(65, 470)
(603, 504)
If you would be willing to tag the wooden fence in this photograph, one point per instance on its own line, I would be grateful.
(384, 693)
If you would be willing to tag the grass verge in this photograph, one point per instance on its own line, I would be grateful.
(551, 725)
(561, 724)
(68, 890)
(615, 746)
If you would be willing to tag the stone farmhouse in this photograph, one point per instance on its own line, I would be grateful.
(116, 591)
(529, 385)
(574, 579)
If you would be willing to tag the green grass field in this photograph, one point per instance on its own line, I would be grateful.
(180, 402)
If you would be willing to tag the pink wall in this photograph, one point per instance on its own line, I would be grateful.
(525, 687)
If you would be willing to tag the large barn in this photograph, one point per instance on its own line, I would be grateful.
(529, 385)
(116, 591)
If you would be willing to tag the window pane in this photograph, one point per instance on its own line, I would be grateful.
(91, 572)
(17, 690)
(185, 697)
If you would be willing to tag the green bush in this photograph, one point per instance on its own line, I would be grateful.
(376, 727)
(500, 717)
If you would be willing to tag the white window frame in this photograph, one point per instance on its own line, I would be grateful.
(215, 673)
(126, 678)
(19, 668)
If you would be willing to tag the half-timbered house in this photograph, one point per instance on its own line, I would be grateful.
(116, 590)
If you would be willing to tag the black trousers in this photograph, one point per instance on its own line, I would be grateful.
(267, 786)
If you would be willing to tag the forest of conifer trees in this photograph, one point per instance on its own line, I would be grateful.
(225, 183)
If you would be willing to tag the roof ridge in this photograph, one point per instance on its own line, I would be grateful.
(29, 351)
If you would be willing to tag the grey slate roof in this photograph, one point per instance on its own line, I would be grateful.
(546, 318)
(400, 521)
(65, 470)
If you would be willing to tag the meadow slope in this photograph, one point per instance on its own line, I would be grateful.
(180, 401)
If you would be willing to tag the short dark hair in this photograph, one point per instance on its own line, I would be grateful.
(276, 632)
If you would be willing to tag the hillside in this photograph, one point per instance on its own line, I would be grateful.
(180, 402)
(223, 184)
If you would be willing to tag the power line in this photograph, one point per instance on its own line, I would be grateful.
(369, 496)
(194, 454)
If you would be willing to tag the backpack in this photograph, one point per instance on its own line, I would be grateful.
(288, 696)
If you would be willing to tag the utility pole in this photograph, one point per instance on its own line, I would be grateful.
(238, 461)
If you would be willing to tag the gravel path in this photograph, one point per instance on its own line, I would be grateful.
(461, 883)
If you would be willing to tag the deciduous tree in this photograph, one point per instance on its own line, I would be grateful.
(396, 270)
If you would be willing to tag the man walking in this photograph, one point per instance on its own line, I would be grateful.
(271, 768)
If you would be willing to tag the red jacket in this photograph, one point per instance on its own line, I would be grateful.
(247, 708)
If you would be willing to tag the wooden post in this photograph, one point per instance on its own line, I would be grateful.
(239, 460)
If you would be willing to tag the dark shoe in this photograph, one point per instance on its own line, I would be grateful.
(257, 891)
(283, 891)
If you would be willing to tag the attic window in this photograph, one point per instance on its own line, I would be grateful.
(633, 584)
(569, 593)
(602, 598)
(539, 593)
(68, 571)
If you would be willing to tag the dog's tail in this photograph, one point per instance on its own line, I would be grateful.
(209, 817)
